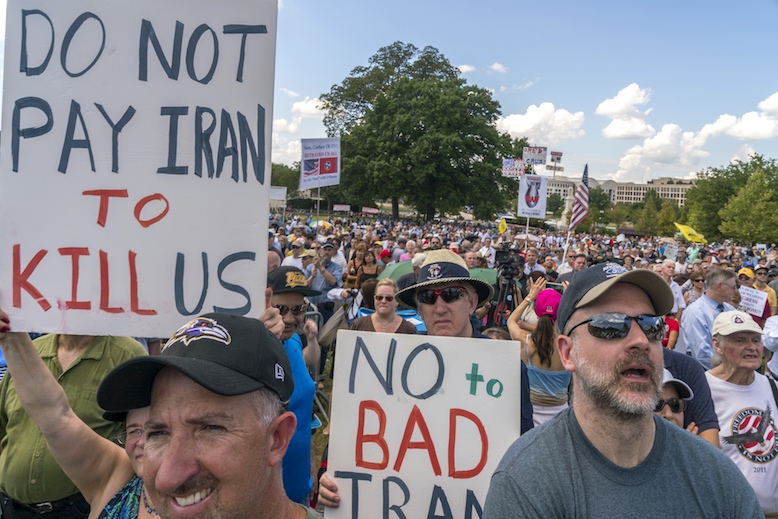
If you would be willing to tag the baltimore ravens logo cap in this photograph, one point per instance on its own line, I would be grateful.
(226, 354)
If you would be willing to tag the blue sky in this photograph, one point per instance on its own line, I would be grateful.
(636, 90)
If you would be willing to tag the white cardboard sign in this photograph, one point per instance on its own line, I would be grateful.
(320, 164)
(135, 164)
(753, 300)
(419, 423)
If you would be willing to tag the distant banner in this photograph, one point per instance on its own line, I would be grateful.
(320, 164)
(690, 234)
(533, 190)
(277, 193)
(534, 155)
(341, 207)
(549, 167)
(419, 423)
(370, 210)
(513, 168)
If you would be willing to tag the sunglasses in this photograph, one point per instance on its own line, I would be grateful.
(676, 405)
(617, 326)
(698, 280)
(448, 294)
(296, 310)
(381, 298)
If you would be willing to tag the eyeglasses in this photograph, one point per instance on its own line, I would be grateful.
(617, 326)
(131, 435)
(697, 280)
(381, 298)
(296, 247)
(296, 310)
(676, 405)
(761, 273)
(744, 278)
(448, 294)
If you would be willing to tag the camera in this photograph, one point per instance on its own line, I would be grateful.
(508, 262)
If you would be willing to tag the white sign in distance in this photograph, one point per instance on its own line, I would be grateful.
(551, 167)
(556, 156)
(753, 300)
(420, 423)
(534, 155)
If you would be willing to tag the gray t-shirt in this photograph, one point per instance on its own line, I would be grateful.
(554, 471)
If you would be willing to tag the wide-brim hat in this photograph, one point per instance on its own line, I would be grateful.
(587, 285)
(227, 354)
(444, 266)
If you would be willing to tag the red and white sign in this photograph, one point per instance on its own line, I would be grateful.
(135, 162)
(341, 207)
(534, 155)
(556, 156)
(320, 164)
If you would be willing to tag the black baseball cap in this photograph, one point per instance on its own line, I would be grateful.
(227, 354)
(589, 284)
(289, 280)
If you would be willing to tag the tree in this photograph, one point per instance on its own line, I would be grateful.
(647, 221)
(284, 176)
(716, 186)
(666, 219)
(555, 204)
(617, 215)
(652, 198)
(414, 130)
(751, 216)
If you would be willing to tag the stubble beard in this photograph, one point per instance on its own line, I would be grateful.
(608, 391)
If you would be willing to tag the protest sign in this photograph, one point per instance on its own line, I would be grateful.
(753, 300)
(135, 164)
(671, 251)
(320, 164)
(513, 168)
(534, 155)
(533, 191)
(419, 423)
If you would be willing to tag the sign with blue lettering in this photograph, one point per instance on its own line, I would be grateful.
(419, 423)
(135, 163)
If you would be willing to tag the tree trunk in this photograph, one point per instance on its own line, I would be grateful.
(395, 208)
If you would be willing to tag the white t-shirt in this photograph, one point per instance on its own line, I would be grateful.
(741, 410)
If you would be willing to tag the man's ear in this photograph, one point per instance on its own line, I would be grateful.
(717, 345)
(280, 434)
(565, 346)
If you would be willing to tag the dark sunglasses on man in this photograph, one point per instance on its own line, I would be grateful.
(617, 325)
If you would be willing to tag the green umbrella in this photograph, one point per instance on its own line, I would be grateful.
(395, 270)
(488, 275)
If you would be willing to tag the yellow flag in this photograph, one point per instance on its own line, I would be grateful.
(690, 234)
(503, 226)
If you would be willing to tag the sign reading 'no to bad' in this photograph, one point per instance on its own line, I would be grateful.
(419, 423)
(135, 162)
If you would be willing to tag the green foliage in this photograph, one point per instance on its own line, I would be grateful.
(412, 129)
(617, 215)
(751, 216)
(714, 189)
(284, 176)
(555, 204)
(652, 199)
(666, 219)
(647, 218)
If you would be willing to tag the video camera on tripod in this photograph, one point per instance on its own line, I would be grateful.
(508, 263)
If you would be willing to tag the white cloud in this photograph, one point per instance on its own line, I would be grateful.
(627, 121)
(464, 69)
(743, 153)
(498, 67)
(290, 93)
(286, 133)
(543, 125)
(770, 104)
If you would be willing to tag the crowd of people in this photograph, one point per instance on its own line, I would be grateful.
(642, 360)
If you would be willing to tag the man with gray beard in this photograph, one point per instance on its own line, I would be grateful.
(609, 455)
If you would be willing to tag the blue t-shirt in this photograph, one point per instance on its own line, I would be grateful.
(297, 460)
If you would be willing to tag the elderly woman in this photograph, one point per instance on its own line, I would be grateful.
(109, 476)
(384, 319)
(744, 402)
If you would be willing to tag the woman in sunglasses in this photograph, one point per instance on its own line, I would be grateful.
(289, 288)
(697, 280)
(385, 318)
(676, 394)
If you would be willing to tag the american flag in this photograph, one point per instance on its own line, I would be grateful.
(581, 204)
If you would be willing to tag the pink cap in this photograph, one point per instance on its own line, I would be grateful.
(548, 303)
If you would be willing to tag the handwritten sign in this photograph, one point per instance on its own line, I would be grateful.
(420, 423)
(135, 164)
(534, 155)
(753, 300)
(513, 168)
